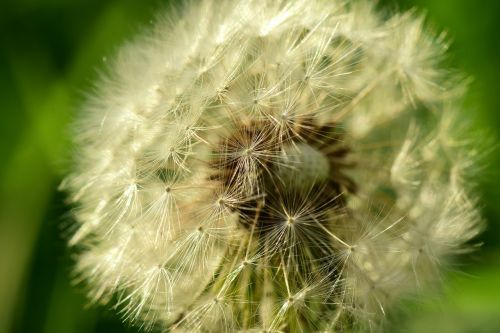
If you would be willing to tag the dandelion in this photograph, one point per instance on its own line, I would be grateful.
(271, 166)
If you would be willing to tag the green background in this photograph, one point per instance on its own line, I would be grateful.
(50, 53)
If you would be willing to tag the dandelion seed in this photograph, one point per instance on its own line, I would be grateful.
(272, 166)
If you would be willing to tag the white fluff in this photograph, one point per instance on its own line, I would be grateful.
(158, 232)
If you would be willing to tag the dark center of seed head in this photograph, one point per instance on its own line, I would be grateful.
(298, 172)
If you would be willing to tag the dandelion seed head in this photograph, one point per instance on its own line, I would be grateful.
(272, 166)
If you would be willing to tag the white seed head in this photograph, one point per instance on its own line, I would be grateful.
(271, 166)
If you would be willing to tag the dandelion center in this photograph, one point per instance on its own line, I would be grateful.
(287, 179)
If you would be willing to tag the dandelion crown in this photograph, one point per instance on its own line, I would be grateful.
(271, 166)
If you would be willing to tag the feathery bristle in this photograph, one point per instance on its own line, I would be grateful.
(271, 166)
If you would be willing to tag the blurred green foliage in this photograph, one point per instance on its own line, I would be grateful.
(51, 51)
